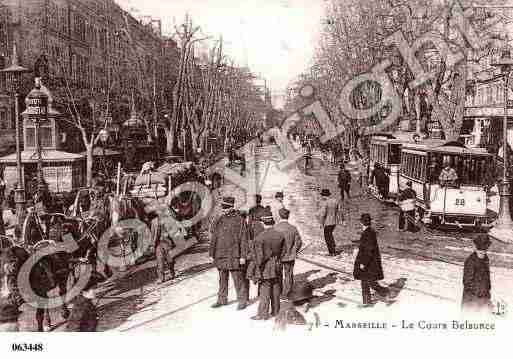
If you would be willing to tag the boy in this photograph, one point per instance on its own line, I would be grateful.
(476, 277)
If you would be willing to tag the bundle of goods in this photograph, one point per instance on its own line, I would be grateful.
(149, 183)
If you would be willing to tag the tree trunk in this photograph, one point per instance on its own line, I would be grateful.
(170, 140)
(194, 139)
(89, 164)
(203, 140)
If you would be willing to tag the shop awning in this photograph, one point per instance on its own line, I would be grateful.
(47, 156)
(98, 151)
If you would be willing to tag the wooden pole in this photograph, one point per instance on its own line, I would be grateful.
(118, 179)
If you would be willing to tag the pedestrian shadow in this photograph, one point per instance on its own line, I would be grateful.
(317, 300)
(396, 287)
(346, 248)
(319, 283)
(196, 269)
(135, 280)
(115, 313)
(303, 277)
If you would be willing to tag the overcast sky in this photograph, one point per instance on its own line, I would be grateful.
(279, 35)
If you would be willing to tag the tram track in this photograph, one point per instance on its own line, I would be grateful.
(350, 275)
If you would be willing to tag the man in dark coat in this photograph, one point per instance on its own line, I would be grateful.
(163, 244)
(255, 226)
(344, 181)
(293, 244)
(269, 250)
(84, 316)
(256, 211)
(407, 216)
(367, 266)
(476, 277)
(228, 248)
(381, 179)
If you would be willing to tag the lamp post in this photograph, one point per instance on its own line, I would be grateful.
(503, 228)
(37, 110)
(104, 137)
(14, 74)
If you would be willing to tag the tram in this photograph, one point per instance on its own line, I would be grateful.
(464, 202)
(385, 150)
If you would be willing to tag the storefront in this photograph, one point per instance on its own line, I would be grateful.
(62, 171)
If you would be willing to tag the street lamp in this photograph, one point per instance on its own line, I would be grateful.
(104, 137)
(503, 228)
(14, 74)
(37, 110)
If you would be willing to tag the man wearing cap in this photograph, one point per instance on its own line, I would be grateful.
(367, 266)
(408, 216)
(229, 248)
(276, 205)
(476, 277)
(330, 214)
(84, 316)
(293, 244)
(269, 250)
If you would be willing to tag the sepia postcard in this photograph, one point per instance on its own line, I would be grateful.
(270, 178)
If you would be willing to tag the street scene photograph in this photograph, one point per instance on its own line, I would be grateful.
(260, 167)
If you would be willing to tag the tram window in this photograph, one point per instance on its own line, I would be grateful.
(410, 165)
(394, 154)
(423, 162)
(434, 168)
(403, 163)
(417, 167)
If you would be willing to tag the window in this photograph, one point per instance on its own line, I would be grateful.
(3, 119)
(30, 133)
(499, 94)
(489, 95)
(45, 133)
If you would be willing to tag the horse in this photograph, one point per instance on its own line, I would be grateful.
(56, 267)
(48, 273)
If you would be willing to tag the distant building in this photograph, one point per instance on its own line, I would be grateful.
(90, 45)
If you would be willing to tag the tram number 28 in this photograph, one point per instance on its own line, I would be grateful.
(460, 201)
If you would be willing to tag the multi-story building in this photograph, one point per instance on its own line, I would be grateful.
(88, 53)
(82, 49)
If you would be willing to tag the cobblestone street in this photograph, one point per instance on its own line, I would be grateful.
(423, 268)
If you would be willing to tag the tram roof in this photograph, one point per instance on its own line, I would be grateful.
(440, 146)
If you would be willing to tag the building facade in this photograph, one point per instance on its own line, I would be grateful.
(82, 49)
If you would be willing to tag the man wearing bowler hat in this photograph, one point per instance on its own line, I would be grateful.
(330, 214)
(293, 244)
(476, 277)
(367, 266)
(229, 250)
(269, 250)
